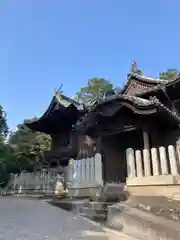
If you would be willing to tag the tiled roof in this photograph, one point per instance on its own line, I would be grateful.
(139, 102)
(159, 86)
(147, 82)
(66, 101)
(136, 100)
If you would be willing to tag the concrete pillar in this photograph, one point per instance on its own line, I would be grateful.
(93, 168)
(80, 170)
(146, 160)
(70, 171)
(90, 169)
(155, 161)
(98, 168)
(131, 170)
(139, 166)
(163, 160)
(21, 183)
(43, 180)
(172, 160)
(83, 170)
(87, 169)
(178, 157)
(14, 181)
(77, 172)
(38, 180)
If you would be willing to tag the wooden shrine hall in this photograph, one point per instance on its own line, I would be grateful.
(58, 121)
(143, 116)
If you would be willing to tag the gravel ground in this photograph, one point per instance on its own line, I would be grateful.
(28, 219)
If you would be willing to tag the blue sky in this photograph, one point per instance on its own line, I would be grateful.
(44, 44)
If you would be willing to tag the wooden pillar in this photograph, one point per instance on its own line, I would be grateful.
(146, 139)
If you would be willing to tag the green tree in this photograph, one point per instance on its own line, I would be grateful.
(170, 74)
(3, 124)
(27, 147)
(3, 148)
(95, 89)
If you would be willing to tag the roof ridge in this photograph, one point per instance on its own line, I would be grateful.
(60, 96)
(147, 78)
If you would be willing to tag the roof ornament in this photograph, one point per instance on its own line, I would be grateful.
(134, 67)
(178, 75)
(59, 91)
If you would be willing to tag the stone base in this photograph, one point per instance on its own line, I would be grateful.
(70, 204)
(158, 205)
(140, 224)
(91, 190)
(154, 180)
(30, 192)
(170, 191)
(113, 192)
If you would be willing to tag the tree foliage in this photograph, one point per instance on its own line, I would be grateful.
(28, 147)
(23, 151)
(3, 148)
(3, 124)
(170, 74)
(95, 89)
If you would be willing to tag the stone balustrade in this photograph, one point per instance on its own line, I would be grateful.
(84, 171)
(84, 175)
(145, 164)
(45, 182)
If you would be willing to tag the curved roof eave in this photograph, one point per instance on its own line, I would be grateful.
(159, 87)
(144, 80)
(139, 105)
(63, 102)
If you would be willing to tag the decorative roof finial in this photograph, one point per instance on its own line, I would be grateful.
(58, 92)
(133, 67)
(60, 89)
(178, 75)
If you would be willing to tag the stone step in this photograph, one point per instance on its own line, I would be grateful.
(91, 212)
(97, 210)
(98, 217)
(70, 204)
(97, 214)
(98, 204)
(94, 215)
(140, 224)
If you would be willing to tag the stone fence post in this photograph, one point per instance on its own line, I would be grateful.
(130, 163)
